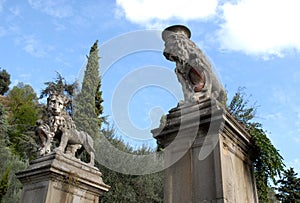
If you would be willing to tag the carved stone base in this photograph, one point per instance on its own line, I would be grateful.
(61, 179)
(215, 168)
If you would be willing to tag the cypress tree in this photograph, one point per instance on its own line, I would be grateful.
(87, 103)
(98, 105)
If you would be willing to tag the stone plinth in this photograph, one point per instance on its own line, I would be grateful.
(61, 179)
(207, 154)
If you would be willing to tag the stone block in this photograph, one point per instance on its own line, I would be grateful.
(216, 167)
(60, 178)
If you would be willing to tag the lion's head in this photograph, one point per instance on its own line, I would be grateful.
(56, 103)
(190, 62)
(193, 69)
(176, 48)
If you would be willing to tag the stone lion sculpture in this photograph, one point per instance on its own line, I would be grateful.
(60, 125)
(193, 70)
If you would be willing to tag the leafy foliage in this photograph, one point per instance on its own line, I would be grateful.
(4, 81)
(10, 187)
(8, 160)
(289, 189)
(268, 163)
(98, 105)
(24, 111)
(3, 125)
(4, 183)
(130, 188)
(238, 107)
(89, 100)
(59, 85)
(22, 105)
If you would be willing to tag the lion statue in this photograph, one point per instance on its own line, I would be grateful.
(193, 70)
(60, 125)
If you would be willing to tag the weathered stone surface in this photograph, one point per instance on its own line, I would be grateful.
(59, 178)
(61, 126)
(224, 173)
(193, 69)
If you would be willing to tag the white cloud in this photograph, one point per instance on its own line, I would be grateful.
(55, 8)
(265, 27)
(9, 30)
(281, 97)
(146, 12)
(296, 139)
(273, 116)
(31, 47)
(59, 26)
(25, 76)
(260, 27)
(15, 11)
(34, 47)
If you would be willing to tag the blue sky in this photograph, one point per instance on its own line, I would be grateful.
(251, 43)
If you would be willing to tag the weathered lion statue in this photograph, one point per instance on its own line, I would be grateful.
(193, 70)
(60, 125)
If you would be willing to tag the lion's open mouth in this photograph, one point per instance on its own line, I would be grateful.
(197, 79)
(171, 57)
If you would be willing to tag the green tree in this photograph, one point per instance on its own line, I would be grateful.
(268, 163)
(4, 81)
(240, 109)
(4, 183)
(98, 105)
(24, 111)
(23, 102)
(3, 125)
(60, 85)
(10, 187)
(130, 188)
(289, 187)
(11, 164)
(88, 102)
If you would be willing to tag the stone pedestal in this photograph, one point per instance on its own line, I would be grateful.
(207, 155)
(61, 179)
